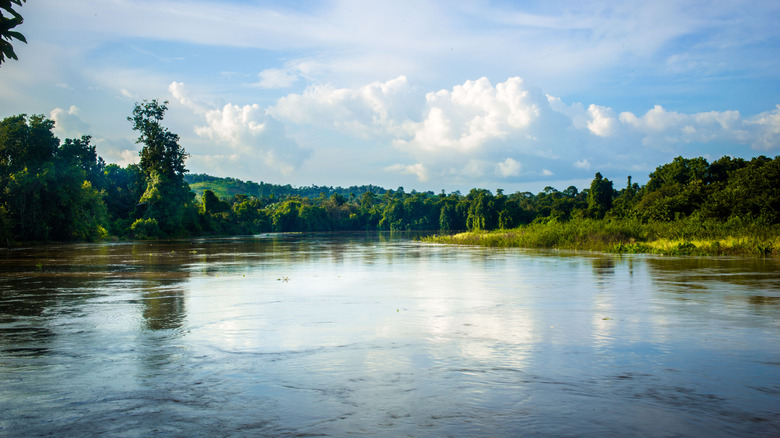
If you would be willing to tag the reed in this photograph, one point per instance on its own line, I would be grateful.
(684, 237)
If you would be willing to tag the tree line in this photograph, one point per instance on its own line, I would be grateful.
(53, 190)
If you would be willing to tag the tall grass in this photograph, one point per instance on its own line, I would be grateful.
(687, 236)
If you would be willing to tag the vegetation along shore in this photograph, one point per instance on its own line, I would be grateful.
(57, 191)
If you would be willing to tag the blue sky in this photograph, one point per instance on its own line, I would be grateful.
(425, 95)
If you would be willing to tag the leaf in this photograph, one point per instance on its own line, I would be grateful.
(18, 36)
(8, 51)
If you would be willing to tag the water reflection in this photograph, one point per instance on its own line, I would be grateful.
(332, 334)
(163, 309)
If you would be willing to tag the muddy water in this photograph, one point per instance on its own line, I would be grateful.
(366, 334)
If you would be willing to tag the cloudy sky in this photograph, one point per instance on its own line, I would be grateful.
(426, 95)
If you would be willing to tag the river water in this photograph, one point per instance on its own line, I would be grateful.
(376, 334)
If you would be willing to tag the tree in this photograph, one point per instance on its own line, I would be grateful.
(6, 26)
(168, 199)
(482, 214)
(675, 190)
(212, 204)
(161, 152)
(600, 196)
(26, 142)
(46, 190)
(124, 187)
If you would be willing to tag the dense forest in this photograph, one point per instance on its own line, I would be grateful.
(53, 190)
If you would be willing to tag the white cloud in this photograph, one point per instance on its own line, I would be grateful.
(661, 127)
(276, 78)
(582, 164)
(248, 131)
(121, 152)
(465, 119)
(508, 167)
(67, 123)
(459, 132)
(180, 93)
(378, 108)
(287, 76)
(417, 169)
(466, 133)
(767, 130)
(602, 121)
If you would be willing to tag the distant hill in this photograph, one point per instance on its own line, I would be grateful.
(227, 188)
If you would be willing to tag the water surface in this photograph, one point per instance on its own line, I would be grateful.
(375, 334)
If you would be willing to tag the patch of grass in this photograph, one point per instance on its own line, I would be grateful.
(685, 237)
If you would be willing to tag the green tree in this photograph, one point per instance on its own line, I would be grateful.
(167, 198)
(7, 24)
(751, 192)
(212, 204)
(600, 196)
(46, 192)
(123, 187)
(26, 142)
(482, 214)
(286, 215)
(675, 190)
(171, 203)
(161, 152)
(81, 154)
(393, 216)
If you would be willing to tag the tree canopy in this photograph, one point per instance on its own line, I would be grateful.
(161, 152)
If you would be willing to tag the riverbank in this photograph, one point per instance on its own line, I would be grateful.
(683, 237)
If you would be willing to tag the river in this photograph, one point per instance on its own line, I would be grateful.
(376, 334)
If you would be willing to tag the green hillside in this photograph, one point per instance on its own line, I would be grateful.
(226, 188)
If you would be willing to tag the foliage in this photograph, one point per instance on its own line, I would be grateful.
(161, 153)
(228, 187)
(7, 24)
(167, 198)
(600, 196)
(48, 190)
(170, 203)
(146, 229)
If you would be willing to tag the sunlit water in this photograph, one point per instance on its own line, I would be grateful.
(333, 335)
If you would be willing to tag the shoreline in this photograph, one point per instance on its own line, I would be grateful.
(627, 237)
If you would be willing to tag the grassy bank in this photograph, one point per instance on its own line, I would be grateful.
(684, 237)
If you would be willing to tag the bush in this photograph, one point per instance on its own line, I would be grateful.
(146, 229)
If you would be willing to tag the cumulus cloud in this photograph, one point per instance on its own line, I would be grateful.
(180, 93)
(417, 169)
(468, 131)
(508, 167)
(250, 133)
(659, 127)
(378, 108)
(465, 118)
(603, 121)
(67, 123)
(766, 130)
(474, 131)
